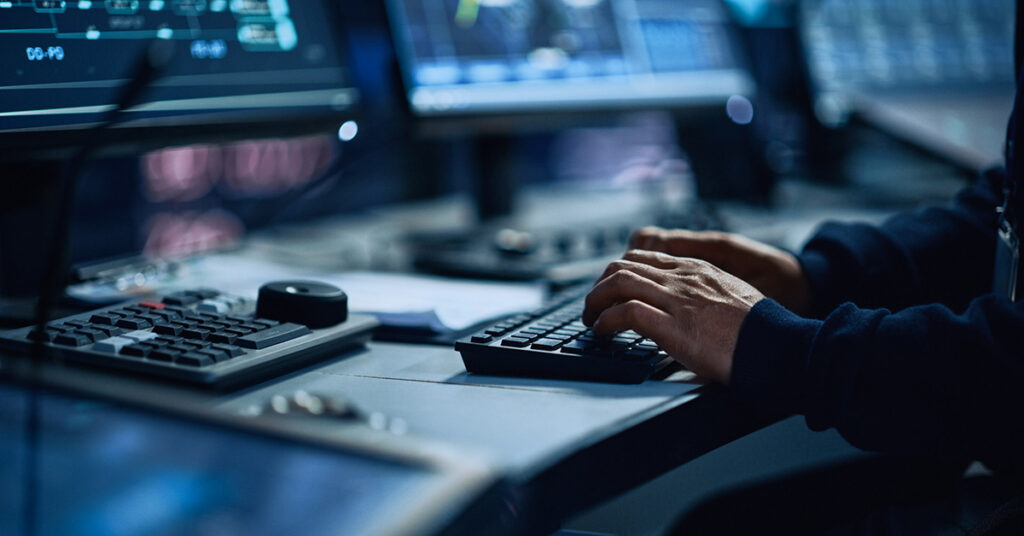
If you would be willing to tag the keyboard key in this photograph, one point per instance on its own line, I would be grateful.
(222, 337)
(152, 319)
(216, 355)
(272, 336)
(194, 359)
(46, 335)
(231, 350)
(168, 329)
(104, 319)
(137, 350)
(576, 347)
(180, 300)
(133, 323)
(482, 339)
(213, 306)
(139, 335)
(109, 331)
(203, 293)
(164, 354)
(195, 333)
(72, 339)
(266, 323)
(546, 344)
(113, 345)
(91, 333)
(515, 343)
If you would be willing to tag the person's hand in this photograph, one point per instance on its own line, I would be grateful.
(692, 309)
(774, 272)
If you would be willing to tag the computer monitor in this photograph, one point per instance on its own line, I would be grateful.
(237, 69)
(74, 463)
(937, 73)
(481, 57)
(240, 68)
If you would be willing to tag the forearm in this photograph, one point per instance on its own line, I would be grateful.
(937, 255)
(922, 381)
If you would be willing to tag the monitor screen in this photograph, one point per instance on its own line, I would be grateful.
(235, 62)
(500, 56)
(91, 467)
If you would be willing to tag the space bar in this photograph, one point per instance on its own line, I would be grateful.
(272, 336)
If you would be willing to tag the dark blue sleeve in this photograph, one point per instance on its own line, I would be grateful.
(924, 380)
(936, 255)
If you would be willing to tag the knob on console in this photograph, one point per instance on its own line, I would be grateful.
(317, 305)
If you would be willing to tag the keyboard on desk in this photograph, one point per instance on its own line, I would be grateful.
(200, 337)
(553, 342)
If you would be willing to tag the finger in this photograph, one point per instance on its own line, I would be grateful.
(643, 318)
(645, 238)
(646, 270)
(621, 287)
(656, 259)
(711, 246)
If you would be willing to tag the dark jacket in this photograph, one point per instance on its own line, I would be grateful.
(911, 351)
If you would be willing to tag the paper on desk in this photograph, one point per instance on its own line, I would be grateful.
(400, 300)
(435, 302)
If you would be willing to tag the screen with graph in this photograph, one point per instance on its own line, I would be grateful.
(472, 56)
(65, 60)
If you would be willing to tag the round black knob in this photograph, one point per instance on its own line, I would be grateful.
(316, 305)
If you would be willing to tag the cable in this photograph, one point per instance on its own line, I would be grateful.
(147, 69)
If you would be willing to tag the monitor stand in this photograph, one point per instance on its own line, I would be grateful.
(727, 159)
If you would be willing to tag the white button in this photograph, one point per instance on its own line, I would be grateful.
(112, 345)
(140, 336)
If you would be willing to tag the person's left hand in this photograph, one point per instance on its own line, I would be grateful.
(690, 308)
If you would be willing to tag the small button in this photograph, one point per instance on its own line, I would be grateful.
(139, 335)
(168, 329)
(272, 336)
(515, 343)
(104, 319)
(482, 339)
(216, 355)
(134, 323)
(164, 354)
(546, 344)
(180, 300)
(222, 337)
(231, 350)
(113, 345)
(72, 339)
(136, 350)
(194, 359)
(195, 333)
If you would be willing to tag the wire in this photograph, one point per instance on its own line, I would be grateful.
(156, 56)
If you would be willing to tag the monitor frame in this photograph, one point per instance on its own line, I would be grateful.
(567, 108)
(261, 117)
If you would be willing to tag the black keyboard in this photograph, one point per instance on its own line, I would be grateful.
(201, 337)
(553, 342)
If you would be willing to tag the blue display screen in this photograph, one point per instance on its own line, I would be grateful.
(102, 469)
(511, 55)
(64, 61)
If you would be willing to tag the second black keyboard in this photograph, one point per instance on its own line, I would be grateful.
(553, 342)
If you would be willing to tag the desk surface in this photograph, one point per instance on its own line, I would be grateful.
(565, 445)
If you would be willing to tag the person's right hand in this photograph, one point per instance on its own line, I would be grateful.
(774, 272)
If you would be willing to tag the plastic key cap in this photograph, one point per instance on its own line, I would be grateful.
(272, 336)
